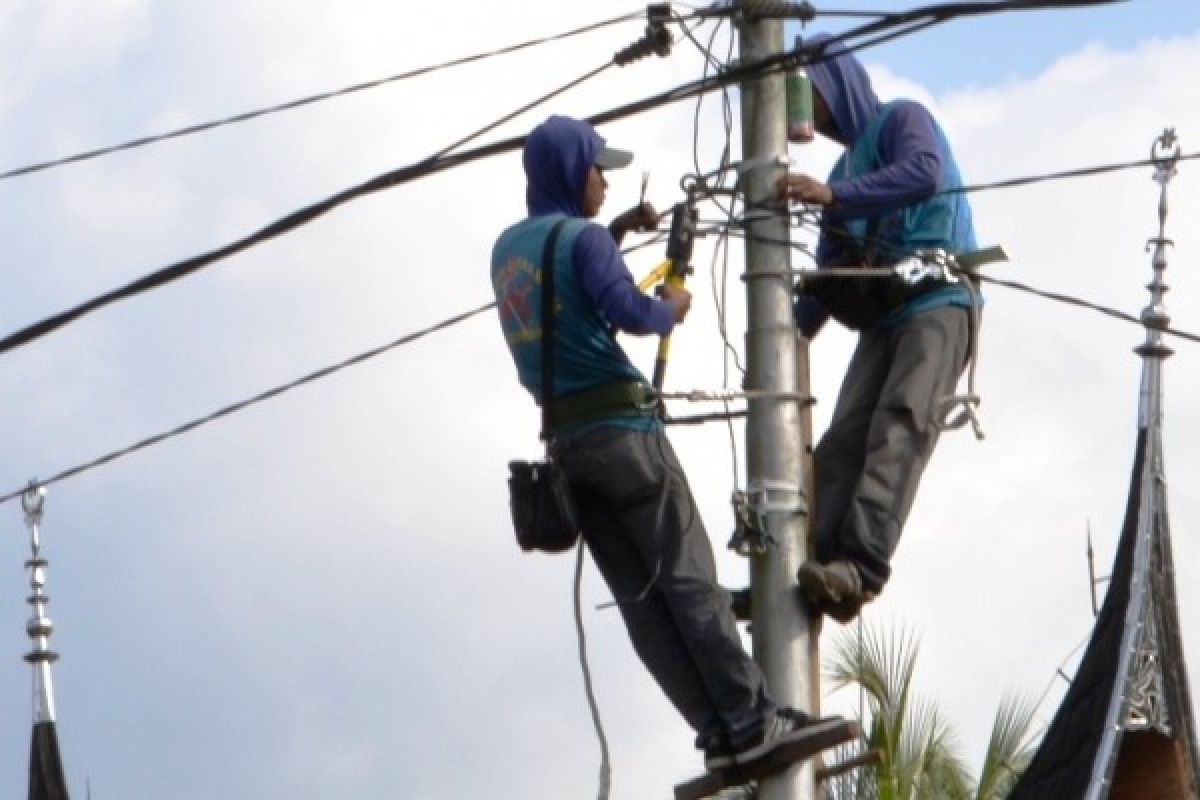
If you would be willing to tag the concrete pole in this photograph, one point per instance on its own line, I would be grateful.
(782, 633)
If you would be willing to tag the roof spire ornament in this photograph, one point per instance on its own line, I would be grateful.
(40, 625)
(1165, 154)
(1125, 729)
(46, 779)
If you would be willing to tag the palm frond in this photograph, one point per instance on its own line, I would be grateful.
(882, 664)
(929, 764)
(1010, 747)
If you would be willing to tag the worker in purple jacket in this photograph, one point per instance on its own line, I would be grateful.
(883, 201)
(636, 512)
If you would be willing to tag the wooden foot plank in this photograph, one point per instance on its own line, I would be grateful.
(819, 736)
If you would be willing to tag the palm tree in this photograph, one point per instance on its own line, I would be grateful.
(918, 755)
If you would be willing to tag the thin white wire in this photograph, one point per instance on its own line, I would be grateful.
(605, 785)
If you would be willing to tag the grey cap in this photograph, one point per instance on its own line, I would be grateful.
(612, 158)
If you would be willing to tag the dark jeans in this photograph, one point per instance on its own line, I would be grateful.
(869, 463)
(646, 537)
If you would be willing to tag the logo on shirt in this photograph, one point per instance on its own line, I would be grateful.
(517, 300)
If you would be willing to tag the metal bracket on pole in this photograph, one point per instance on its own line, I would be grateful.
(751, 508)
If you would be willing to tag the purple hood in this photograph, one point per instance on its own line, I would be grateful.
(557, 157)
(843, 82)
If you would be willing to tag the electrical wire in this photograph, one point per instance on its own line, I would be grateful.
(244, 404)
(442, 161)
(309, 100)
(1081, 303)
(1081, 172)
(296, 219)
(605, 779)
(324, 372)
(1008, 284)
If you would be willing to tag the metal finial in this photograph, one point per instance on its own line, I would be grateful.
(33, 499)
(40, 626)
(1165, 154)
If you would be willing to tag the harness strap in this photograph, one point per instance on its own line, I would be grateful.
(548, 329)
(612, 399)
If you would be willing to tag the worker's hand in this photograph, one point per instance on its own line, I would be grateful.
(678, 299)
(641, 218)
(798, 187)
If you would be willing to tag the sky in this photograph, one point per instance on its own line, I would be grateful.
(320, 596)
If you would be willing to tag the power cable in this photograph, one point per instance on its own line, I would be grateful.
(1080, 303)
(1081, 172)
(266, 395)
(442, 161)
(290, 222)
(256, 399)
(305, 101)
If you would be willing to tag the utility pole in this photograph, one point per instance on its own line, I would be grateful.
(783, 635)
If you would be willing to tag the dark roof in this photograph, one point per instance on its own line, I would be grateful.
(1132, 678)
(1065, 760)
(46, 780)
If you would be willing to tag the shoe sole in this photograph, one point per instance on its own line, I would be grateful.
(720, 762)
(761, 751)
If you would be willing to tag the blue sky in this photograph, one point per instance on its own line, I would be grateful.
(995, 48)
(320, 597)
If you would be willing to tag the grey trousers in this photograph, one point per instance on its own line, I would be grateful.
(869, 463)
(646, 537)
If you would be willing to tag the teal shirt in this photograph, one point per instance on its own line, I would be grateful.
(586, 354)
(941, 221)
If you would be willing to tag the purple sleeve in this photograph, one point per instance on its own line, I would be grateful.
(912, 165)
(606, 281)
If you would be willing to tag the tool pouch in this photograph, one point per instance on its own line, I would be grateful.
(860, 303)
(543, 511)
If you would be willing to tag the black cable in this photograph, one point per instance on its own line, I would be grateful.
(1076, 301)
(305, 101)
(270, 393)
(1071, 173)
(769, 65)
(258, 398)
(1010, 284)
(435, 163)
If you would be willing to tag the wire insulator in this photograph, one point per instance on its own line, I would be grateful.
(656, 41)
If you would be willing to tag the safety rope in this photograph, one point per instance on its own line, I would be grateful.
(725, 395)
(967, 404)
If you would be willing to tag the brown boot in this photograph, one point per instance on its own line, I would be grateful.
(834, 589)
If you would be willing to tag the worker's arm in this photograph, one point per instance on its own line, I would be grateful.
(607, 282)
(911, 168)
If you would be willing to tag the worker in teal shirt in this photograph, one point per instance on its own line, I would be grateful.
(885, 199)
(636, 511)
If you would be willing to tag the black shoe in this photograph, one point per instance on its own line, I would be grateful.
(781, 727)
(834, 589)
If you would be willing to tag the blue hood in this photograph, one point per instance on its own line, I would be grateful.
(557, 157)
(843, 82)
